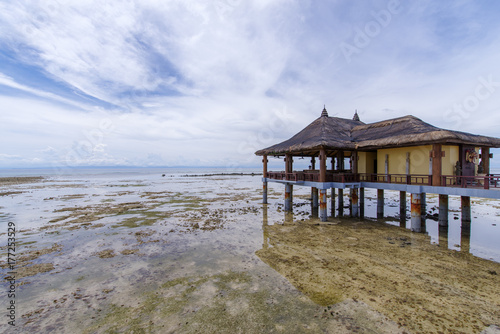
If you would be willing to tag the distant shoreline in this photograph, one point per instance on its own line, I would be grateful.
(217, 174)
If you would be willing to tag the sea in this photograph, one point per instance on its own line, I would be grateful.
(190, 250)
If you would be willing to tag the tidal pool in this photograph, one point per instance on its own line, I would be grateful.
(138, 252)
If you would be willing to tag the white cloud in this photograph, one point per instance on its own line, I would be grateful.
(208, 82)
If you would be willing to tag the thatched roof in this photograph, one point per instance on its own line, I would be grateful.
(334, 133)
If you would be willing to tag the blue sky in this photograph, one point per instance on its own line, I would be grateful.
(168, 83)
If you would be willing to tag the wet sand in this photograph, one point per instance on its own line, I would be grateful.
(421, 286)
(187, 255)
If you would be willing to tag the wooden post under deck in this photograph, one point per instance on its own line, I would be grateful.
(322, 192)
(416, 212)
(288, 186)
(443, 210)
(314, 191)
(380, 203)
(466, 219)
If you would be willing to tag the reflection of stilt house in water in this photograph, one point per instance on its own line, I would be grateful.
(404, 154)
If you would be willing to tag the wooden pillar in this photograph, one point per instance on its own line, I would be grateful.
(466, 210)
(332, 202)
(437, 158)
(314, 191)
(423, 203)
(443, 210)
(314, 197)
(322, 165)
(361, 202)
(264, 174)
(341, 202)
(264, 165)
(288, 199)
(288, 187)
(288, 163)
(354, 202)
(322, 192)
(340, 160)
(380, 203)
(416, 213)
(354, 162)
(402, 206)
(322, 205)
(485, 160)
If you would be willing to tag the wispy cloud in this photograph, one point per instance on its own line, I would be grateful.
(203, 81)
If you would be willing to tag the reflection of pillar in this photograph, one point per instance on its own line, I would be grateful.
(354, 202)
(362, 202)
(264, 175)
(288, 217)
(341, 202)
(443, 210)
(322, 205)
(265, 235)
(314, 197)
(423, 202)
(466, 210)
(380, 203)
(402, 206)
(416, 213)
(288, 199)
(332, 201)
(465, 238)
(314, 211)
(443, 236)
(264, 192)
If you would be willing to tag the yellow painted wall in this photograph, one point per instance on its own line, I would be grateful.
(419, 159)
(450, 159)
(366, 162)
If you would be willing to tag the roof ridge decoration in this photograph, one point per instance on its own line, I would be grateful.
(324, 113)
(356, 116)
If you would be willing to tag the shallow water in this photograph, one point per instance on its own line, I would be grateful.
(136, 250)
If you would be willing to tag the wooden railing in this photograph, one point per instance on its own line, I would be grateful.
(397, 178)
(485, 182)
